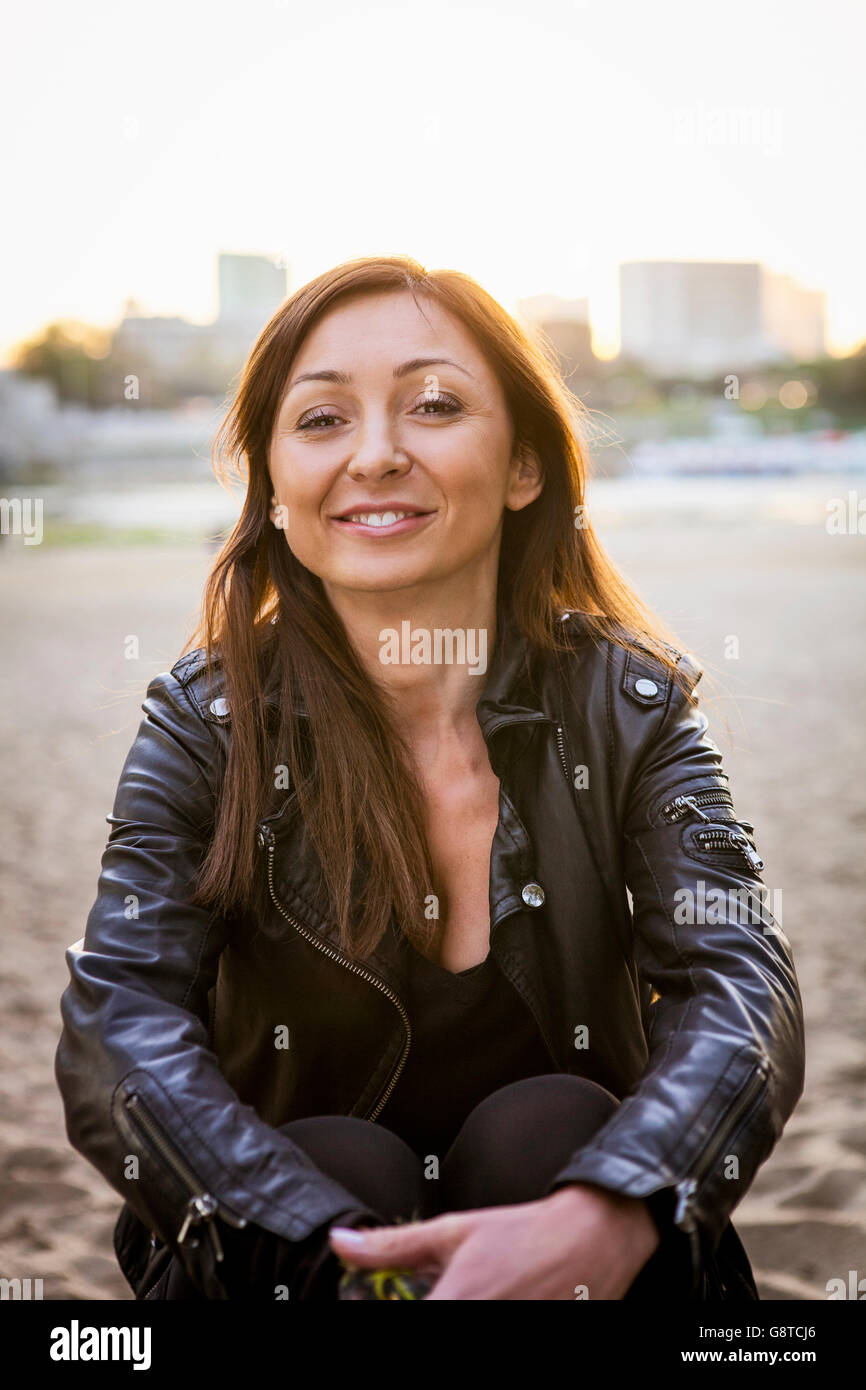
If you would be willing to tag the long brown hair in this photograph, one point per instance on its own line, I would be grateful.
(266, 618)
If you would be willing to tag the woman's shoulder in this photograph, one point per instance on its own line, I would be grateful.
(200, 677)
(631, 705)
(192, 663)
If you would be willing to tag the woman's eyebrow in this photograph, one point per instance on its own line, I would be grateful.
(343, 378)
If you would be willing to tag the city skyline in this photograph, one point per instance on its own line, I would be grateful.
(536, 153)
(251, 287)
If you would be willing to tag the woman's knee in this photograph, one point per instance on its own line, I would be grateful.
(369, 1160)
(516, 1140)
(574, 1105)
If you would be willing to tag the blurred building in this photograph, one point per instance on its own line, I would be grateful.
(551, 308)
(50, 439)
(699, 317)
(174, 358)
(31, 423)
(250, 288)
(170, 341)
(794, 317)
(565, 322)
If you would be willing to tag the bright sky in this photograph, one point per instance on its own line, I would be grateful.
(534, 144)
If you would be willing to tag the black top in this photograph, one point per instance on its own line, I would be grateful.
(471, 1033)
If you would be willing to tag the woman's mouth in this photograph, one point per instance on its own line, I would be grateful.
(389, 523)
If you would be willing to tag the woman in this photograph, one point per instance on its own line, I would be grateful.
(401, 954)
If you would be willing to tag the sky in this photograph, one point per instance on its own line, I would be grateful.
(533, 145)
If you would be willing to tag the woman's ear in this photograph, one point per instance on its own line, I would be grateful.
(526, 477)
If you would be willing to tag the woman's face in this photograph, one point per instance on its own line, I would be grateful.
(399, 411)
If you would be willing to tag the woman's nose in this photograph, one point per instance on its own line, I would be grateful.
(378, 455)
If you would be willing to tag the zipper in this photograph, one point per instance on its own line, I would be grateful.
(684, 805)
(684, 1214)
(202, 1206)
(720, 839)
(560, 743)
(267, 840)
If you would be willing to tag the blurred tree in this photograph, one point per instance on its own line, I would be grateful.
(69, 354)
(840, 383)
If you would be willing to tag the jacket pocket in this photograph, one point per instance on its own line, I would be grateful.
(711, 833)
(728, 844)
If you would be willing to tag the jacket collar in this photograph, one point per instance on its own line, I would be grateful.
(509, 695)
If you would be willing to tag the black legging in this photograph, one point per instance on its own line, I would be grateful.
(508, 1150)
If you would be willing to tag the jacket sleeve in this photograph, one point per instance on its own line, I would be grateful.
(145, 1100)
(726, 1034)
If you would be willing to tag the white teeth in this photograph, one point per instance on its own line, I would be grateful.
(378, 518)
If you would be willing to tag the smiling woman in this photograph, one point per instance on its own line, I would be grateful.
(377, 389)
(405, 952)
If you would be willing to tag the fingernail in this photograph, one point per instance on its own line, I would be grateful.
(350, 1237)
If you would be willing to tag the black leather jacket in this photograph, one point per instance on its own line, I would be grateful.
(637, 957)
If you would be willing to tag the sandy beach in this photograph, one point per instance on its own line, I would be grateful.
(791, 595)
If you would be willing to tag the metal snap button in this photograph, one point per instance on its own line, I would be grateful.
(646, 687)
(532, 894)
(219, 708)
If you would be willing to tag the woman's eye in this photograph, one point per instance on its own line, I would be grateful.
(432, 403)
(307, 421)
(447, 405)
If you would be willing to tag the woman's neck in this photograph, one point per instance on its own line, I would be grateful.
(430, 658)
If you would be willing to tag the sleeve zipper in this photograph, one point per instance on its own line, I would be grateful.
(686, 1190)
(684, 805)
(202, 1206)
(720, 837)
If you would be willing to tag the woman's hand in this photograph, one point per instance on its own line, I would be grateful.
(581, 1241)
